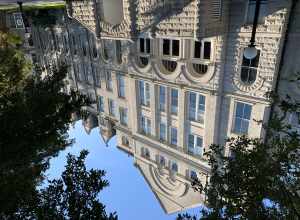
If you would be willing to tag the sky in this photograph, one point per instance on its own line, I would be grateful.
(128, 193)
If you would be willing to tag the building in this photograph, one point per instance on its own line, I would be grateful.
(169, 78)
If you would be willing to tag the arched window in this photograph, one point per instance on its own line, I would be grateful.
(105, 54)
(249, 69)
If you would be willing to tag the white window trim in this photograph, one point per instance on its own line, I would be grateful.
(145, 54)
(201, 59)
(195, 144)
(197, 107)
(171, 56)
(234, 116)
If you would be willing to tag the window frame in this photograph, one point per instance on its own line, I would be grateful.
(144, 98)
(147, 51)
(162, 105)
(101, 104)
(195, 151)
(235, 117)
(162, 137)
(173, 112)
(123, 112)
(121, 86)
(197, 111)
(111, 107)
(171, 55)
(171, 136)
(250, 67)
(109, 82)
(202, 42)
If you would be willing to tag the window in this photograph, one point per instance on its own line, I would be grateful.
(193, 174)
(162, 161)
(195, 144)
(174, 136)
(123, 116)
(145, 152)
(101, 103)
(174, 101)
(144, 93)
(249, 69)
(105, 50)
(112, 107)
(98, 78)
(263, 11)
(145, 125)
(197, 49)
(242, 118)
(207, 49)
(144, 45)
(109, 85)
(196, 107)
(162, 132)
(119, 51)
(202, 50)
(171, 47)
(121, 86)
(125, 141)
(174, 166)
(162, 98)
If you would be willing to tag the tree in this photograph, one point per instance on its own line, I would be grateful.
(73, 196)
(259, 179)
(35, 115)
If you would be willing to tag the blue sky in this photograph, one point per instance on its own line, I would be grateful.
(128, 193)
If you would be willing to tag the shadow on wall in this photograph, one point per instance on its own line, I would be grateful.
(158, 13)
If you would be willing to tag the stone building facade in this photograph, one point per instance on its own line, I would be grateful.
(169, 78)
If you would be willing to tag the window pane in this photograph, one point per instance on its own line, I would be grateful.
(162, 131)
(192, 106)
(142, 45)
(174, 136)
(244, 126)
(175, 47)
(207, 49)
(239, 109)
(247, 111)
(148, 126)
(166, 47)
(191, 143)
(174, 167)
(174, 101)
(246, 62)
(201, 102)
(147, 94)
(237, 125)
(197, 49)
(141, 91)
(162, 98)
(255, 61)
(148, 46)
(199, 142)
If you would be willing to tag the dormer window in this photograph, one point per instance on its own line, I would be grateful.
(171, 47)
(249, 69)
(202, 50)
(144, 45)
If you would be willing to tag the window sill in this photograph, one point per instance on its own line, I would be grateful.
(196, 123)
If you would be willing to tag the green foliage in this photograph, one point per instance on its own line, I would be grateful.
(73, 196)
(258, 180)
(14, 68)
(35, 115)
